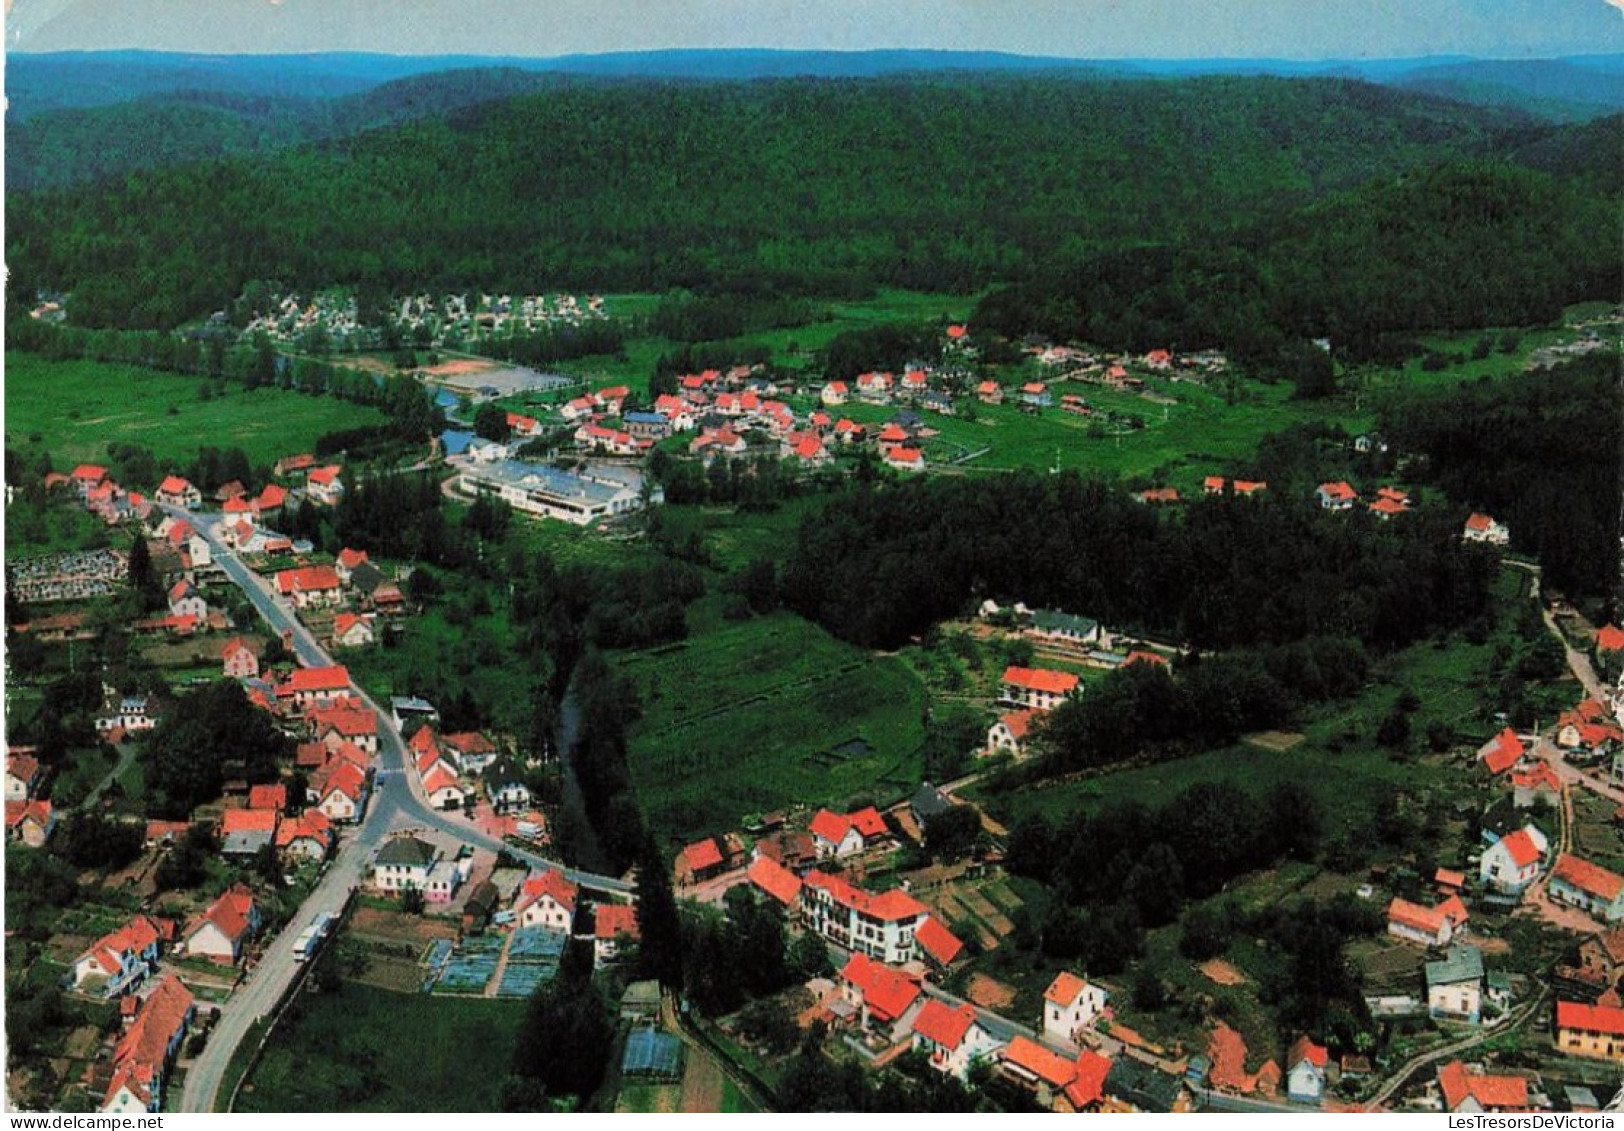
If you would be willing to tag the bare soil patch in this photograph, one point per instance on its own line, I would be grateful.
(1221, 972)
(989, 993)
(1277, 740)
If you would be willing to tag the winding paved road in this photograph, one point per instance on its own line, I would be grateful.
(397, 802)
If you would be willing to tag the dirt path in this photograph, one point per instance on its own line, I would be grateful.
(702, 1082)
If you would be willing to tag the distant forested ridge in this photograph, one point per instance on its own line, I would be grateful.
(941, 183)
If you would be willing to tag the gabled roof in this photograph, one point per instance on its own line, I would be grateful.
(1590, 1018)
(774, 879)
(1065, 989)
(829, 826)
(1339, 491)
(268, 797)
(132, 938)
(1050, 1067)
(1502, 752)
(941, 944)
(868, 822)
(334, 677)
(702, 854)
(174, 485)
(1018, 723)
(1305, 1049)
(306, 579)
(1491, 1092)
(247, 821)
(1522, 848)
(1088, 1086)
(1041, 679)
(1429, 920)
(312, 824)
(1587, 877)
(943, 1024)
(439, 777)
(143, 1050)
(345, 778)
(232, 912)
(886, 992)
(1610, 638)
(615, 920)
(325, 475)
(552, 884)
(888, 906)
(1461, 964)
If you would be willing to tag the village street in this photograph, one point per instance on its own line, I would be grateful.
(396, 803)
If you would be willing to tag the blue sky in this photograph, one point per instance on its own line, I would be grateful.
(1295, 29)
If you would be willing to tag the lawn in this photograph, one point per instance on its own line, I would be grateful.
(74, 409)
(749, 715)
(366, 1049)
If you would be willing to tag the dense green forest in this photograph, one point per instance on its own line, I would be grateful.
(809, 186)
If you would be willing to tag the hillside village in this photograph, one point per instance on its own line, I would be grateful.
(160, 963)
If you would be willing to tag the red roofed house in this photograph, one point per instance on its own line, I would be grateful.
(1305, 1072)
(1514, 861)
(904, 459)
(834, 835)
(239, 660)
(1040, 1069)
(118, 960)
(1010, 731)
(310, 586)
(143, 1055)
(613, 925)
(22, 776)
(269, 501)
(308, 836)
(177, 492)
(1610, 638)
(1587, 886)
(1087, 1088)
(699, 861)
(186, 601)
(884, 926)
(777, 881)
(30, 822)
(442, 786)
(1414, 923)
(289, 465)
(347, 560)
(1594, 1031)
(352, 630)
(306, 687)
(1338, 496)
(222, 931)
(1501, 752)
(324, 486)
(882, 993)
(1070, 1005)
(352, 723)
(835, 393)
(1540, 784)
(340, 791)
(940, 945)
(87, 477)
(272, 797)
(1469, 1093)
(547, 900)
(1482, 528)
(1037, 688)
(952, 1038)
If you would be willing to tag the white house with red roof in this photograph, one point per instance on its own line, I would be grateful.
(30, 822)
(145, 1053)
(903, 458)
(346, 562)
(1482, 528)
(87, 477)
(952, 1038)
(882, 995)
(1502, 752)
(1429, 926)
(886, 926)
(313, 687)
(1070, 1005)
(846, 834)
(178, 492)
(548, 900)
(1039, 689)
(344, 722)
(1514, 861)
(340, 789)
(1305, 1071)
(1590, 887)
(835, 393)
(1540, 784)
(1337, 496)
(309, 836)
(223, 930)
(22, 775)
(614, 925)
(777, 882)
(352, 630)
(1010, 731)
(325, 486)
(186, 601)
(119, 959)
(238, 660)
(310, 587)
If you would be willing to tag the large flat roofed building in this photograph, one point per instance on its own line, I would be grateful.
(580, 498)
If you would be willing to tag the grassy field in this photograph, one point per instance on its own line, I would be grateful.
(365, 1049)
(748, 716)
(74, 409)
